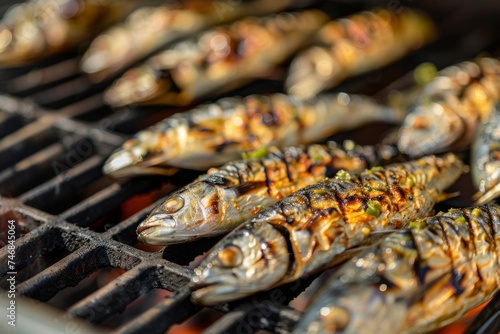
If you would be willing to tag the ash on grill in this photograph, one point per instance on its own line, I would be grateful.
(76, 246)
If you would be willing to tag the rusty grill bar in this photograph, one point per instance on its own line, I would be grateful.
(55, 134)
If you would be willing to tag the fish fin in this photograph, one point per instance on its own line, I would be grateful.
(483, 198)
(376, 235)
(444, 196)
(372, 238)
(247, 187)
(344, 256)
(351, 252)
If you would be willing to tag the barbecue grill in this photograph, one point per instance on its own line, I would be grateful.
(76, 249)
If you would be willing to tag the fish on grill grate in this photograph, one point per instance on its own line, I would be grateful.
(148, 28)
(225, 197)
(39, 29)
(485, 160)
(355, 45)
(217, 60)
(308, 230)
(450, 108)
(214, 134)
(414, 280)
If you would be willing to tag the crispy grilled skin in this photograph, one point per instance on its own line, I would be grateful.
(354, 45)
(227, 196)
(217, 60)
(338, 214)
(451, 107)
(42, 28)
(310, 229)
(418, 279)
(214, 134)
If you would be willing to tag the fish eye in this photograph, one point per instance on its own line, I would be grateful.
(174, 204)
(420, 122)
(230, 256)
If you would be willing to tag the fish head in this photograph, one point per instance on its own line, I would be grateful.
(324, 316)
(162, 79)
(188, 214)
(492, 178)
(358, 307)
(429, 128)
(104, 52)
(252, 258)
(140, 155)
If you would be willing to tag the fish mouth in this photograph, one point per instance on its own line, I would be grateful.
(135, 86)
(124, 163)
(119, 162)
(158, 231)
(429, 130)
(215, 289)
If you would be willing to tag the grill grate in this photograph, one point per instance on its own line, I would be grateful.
(55, 134)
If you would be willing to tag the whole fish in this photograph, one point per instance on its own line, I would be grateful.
(148, 28)
(225, 197)
(217, 60)
(308, 230)
(450, 108)
(41, 28)
(214, 134)
(485, 158)
(415, 280)
(354, 45)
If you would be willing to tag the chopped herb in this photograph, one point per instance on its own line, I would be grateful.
(315, 154)
(373, 208)
(410, 182)
(377, 169)
(319, 192)
(418, 224)
(343, 175)
(476, 212)
(424, 73)
(256, 154)
(349, 145)
(460, 220)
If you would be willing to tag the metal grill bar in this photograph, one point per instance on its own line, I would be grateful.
(67, 272)
(156, 320)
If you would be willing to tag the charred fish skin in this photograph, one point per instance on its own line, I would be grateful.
(225, 197)
(485, 158)
(355, 45)
(319, 223)
(414, 280)
(41, 28)
(450, 108)
(217, 60)
(217, 133)
(149, 27)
